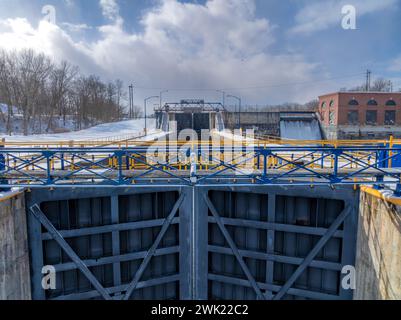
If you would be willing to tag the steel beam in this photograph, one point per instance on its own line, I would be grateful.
(312, 254)
(115, 259)
(109, 228)
(274, 288)
(270, 257)
(113, 290)
(275, 227)
(131, 287)
(40, 216)
(234, 248)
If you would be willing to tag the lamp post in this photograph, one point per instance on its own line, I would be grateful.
(146, 123)
(239, 113)
(161, 97)
(224, 97)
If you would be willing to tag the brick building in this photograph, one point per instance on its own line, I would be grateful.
(360, 115)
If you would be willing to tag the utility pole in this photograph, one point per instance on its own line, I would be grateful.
(161, 98)
(368, 77)
(131, 101)
(145, 107)
(239, 107)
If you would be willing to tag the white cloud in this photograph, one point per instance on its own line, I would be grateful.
(76, 27)
(395, 65)
(110, 9)
(320, 15)
(183, 45)
(69, 3)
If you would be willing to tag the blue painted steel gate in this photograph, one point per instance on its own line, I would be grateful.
(201, 242)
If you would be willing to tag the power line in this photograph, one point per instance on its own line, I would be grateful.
(256, 87)
(295, 83)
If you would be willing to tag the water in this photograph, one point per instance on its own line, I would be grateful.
(300, 129)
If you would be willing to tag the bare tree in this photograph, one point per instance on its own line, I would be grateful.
(137, 112)
(41, 91)
(379, 85)
(59, 85)
(382, 85)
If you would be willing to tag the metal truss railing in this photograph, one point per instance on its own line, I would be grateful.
(200, 164)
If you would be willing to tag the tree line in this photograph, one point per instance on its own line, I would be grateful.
(378, 85)
(40, 91)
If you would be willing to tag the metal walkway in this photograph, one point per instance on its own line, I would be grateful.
(204, 163)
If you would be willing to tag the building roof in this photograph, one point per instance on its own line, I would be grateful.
(359, 92)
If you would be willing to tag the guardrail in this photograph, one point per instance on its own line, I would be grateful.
(202, 163)
(105, 141)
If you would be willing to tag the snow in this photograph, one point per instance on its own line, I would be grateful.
(115, 130)
(11, 193)
(4, 109)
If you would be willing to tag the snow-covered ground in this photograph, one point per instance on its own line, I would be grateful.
(104, 131)
(116, 130)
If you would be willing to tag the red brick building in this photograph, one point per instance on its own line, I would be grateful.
(359, 115)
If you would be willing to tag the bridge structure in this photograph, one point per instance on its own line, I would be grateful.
(262, 161)
(260, 219)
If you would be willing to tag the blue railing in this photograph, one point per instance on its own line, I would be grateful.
(270, 165)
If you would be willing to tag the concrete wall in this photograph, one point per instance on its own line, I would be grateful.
(14, 257)
(378, 261)
(361, 132)
(264, 122)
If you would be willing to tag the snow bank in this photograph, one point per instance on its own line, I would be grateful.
(103, 131)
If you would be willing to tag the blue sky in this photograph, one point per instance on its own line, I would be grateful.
(266, 51)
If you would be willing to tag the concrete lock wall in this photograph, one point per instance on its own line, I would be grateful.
(14, 257)
(264, 122)
(378, 261)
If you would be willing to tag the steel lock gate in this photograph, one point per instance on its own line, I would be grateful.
(257, 242)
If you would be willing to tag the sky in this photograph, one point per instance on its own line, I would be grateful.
(263, 51)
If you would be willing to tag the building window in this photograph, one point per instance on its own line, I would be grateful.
(389, 117)
(332, 118)
(323, 104)
(372, 102)
(353, 102)
(331, 104)
(391, 103)
(371, 117)
(353, 117)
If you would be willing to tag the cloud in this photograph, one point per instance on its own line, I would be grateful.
(18, 34)
(110, 10)
(395, 65)
(321, 15)
(76, 27)
(219, 44)
(69, 3)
